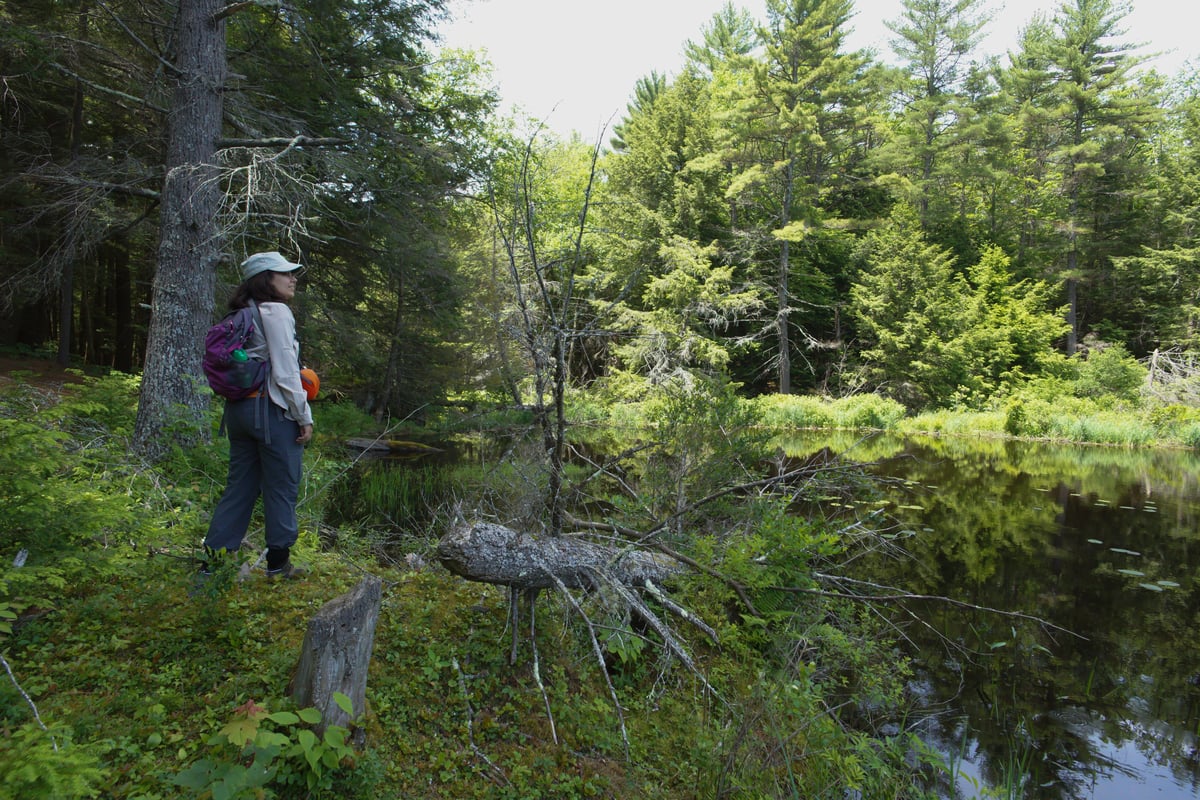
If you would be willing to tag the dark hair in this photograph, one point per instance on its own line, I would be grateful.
(257, 288)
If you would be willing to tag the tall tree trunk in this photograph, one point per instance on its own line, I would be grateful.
(558, 449)
(123, 346)
(785, 301)
(66, 311)
(188, 250)
(390, 401)
(1072, 307)
(505, 368)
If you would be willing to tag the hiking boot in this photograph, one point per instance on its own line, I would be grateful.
(288, 571)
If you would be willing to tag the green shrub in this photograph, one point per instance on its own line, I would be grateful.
(1110, 370)
(1190, 435)
(99, 407)
(1015, 417)
(259, 749)
(858, 412)
(50, 503)
(341, 421)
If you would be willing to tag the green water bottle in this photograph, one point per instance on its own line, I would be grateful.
(238, 355)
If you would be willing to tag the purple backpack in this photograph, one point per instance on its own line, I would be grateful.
(231, 373)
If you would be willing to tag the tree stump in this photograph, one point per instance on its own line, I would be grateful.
(337, 652)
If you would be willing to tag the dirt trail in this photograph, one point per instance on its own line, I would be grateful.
(44, 373)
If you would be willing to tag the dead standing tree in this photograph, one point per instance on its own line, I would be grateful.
(543, 295)
(542, 288)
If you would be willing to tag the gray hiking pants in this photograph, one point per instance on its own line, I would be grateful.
(264, 460)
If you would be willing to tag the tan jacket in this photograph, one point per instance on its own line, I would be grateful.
(283, 351)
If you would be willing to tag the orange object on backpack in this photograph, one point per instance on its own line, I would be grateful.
(310, 382)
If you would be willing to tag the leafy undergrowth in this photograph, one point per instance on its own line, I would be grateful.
(135, 678)
(129, 682)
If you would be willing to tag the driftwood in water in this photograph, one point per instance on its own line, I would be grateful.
(337, 652)
(395, 447)
(490, 553)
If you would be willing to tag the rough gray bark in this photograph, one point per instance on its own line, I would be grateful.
(337, 652)
(188, 247)
(490, 553)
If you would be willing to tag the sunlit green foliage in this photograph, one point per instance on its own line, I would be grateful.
(934, 337)
(36, 763)
(275, 749)
(856, 411)
(686, 305)
(910, 306)
(1110, 371)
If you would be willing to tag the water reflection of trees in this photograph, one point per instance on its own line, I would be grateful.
(1048, 530)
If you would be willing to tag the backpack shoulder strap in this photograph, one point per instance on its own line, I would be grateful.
(262, 329)
(258, 318)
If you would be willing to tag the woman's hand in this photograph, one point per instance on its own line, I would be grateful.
(305, 434)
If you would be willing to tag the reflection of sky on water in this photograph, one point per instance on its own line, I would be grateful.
(1101, 541)
(1138, 777)
(1124, 770)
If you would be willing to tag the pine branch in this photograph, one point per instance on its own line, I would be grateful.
(138, 101)
(107, 186)
(233, 8)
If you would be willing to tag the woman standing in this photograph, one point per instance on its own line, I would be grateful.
(268, 431)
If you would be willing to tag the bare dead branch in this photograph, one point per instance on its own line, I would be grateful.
(599, 652)
(681, 612)
(895, 595)
(164, 63)
(537, 667)
(666, 550)
(496, 774)
(137, 101)
(286, 142)
(105, 186)
(28, 700)
(673, 645)
(233, 8)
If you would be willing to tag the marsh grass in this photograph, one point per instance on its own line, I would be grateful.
(1034, 414)
(864, 411)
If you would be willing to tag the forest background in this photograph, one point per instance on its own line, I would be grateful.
(1013, 238)
(786, 213)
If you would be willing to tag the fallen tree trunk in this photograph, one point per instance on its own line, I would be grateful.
(490, 553)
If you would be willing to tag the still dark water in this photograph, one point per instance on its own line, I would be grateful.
(1102, 542)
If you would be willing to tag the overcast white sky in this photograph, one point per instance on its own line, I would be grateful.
(574, 64)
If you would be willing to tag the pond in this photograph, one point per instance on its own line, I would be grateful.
(1103, 544)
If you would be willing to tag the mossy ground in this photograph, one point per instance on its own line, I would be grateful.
(135, 675)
